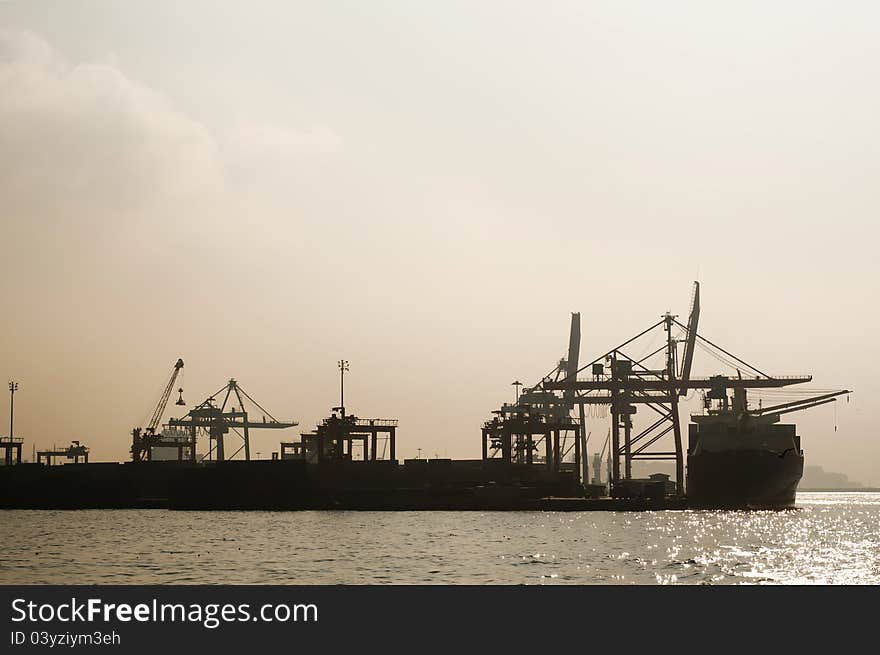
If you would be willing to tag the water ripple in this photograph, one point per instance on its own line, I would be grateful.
(833, 538)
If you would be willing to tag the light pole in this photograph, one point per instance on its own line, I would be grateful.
(13, 387)
(343, 367)
(516, 384)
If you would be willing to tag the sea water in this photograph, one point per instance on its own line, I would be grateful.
(831, 538)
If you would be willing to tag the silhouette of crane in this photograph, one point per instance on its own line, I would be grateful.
(216, 421)
(143, 439)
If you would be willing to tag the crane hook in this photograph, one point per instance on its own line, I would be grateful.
(180, 397)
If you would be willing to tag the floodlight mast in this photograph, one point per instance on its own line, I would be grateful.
(343, 367)
(13, 387)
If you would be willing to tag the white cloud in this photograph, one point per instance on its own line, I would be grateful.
(85, 144)
(87, 133)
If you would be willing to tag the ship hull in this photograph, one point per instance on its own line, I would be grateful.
(744, 479)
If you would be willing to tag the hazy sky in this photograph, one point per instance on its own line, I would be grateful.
(428, 190)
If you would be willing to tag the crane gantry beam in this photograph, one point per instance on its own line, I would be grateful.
(639, 384)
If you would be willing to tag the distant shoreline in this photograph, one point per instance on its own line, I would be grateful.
(841, 489)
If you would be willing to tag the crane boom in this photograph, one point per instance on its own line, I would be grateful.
(163, 399)
(801, 407)
(803, 403)
(574, 347)
(688, 358)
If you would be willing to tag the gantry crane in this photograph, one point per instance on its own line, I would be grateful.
(538, 415)
(628, 382)
(216, 421)
(143, 439)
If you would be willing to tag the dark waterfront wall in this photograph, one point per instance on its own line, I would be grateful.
(286, 484)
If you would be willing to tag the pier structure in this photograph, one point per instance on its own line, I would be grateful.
(540, 420)
(335, 437)
(177, 440)
(11, 447)
(520, 435)
(74, 451)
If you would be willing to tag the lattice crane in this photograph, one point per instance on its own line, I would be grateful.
(144, 438)
(630, 382)
(216, 421)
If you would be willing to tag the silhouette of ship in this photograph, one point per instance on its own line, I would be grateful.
(741, 458)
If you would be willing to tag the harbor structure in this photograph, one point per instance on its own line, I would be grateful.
(533, 451)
